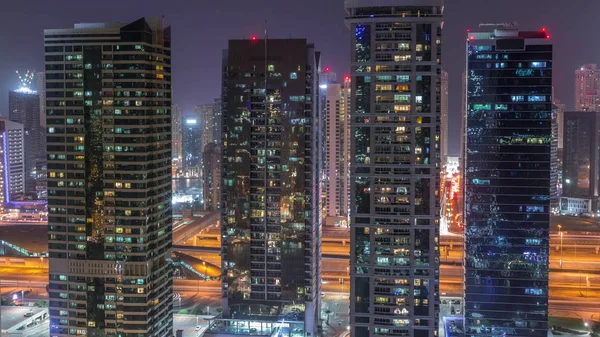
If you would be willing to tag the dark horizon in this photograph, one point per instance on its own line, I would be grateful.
(202, 31)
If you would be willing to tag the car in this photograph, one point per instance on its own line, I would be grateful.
(198, 328)
(444, 302)
(29, 314)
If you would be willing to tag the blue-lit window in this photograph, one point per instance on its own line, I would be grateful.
(534, 209)
(537, 64)
(293, 76)
(501, 107)
(524, 72)
(402, 78)
(484, 56)
(483, 48)
(536, 98)
(533, 242)
(534, 291)
(500, 65)
(479, 107)
(517, 98)
(481, 181)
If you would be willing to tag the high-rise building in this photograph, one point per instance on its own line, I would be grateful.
(176, 131)
(395, 168)
(218, 121)
(12, 145)
(271, 209)
(581, 160)
(211, 177)
(336, 176)
(560, 120)
(108, 99)
(587, 88)
(507, 181)
(444, 119)
(24, 108)
(191, 145)
(208, 117)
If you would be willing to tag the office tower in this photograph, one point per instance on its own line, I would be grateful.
(12, 145)
(191, 146)
(507, 181)
(108, 100)
(395, 168)
(587, 88)
(337, 151)
(444, 119)
(211, 177)
(581, 163)
(176, 131)
(270, 223)
(24, 108)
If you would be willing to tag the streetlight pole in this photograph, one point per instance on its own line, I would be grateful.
(560, 233)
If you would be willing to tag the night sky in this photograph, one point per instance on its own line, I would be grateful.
(201, 29)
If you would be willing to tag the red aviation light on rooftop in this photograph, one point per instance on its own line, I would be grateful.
(346, 78)
(254, 38)
(327, 69)
(472, 38)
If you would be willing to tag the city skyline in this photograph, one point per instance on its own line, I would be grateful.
(197, 80)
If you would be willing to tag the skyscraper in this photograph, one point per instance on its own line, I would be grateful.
(191, 145)
(587, 88)
(176, 131)
(507, 181)
(395, 177)
(270, 223)
(211, 177)
(109, 182)
(444, 119)
(581, 162)
(337, 151)
(12, 161)
(208, 117)
(24, 108)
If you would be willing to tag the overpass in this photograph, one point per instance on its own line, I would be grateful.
(188, 230)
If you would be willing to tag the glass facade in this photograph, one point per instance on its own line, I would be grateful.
(395, 168)
(270, 199)
(581, 154)
(507, 182)
(108, 99)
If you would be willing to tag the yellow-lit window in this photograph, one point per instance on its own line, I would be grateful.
(160, 76)
(127, 185)
(127, 212)
(118, 184)
(52, 174)
(107, 102)
(119, 230)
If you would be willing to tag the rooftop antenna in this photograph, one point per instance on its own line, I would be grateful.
(25, 80)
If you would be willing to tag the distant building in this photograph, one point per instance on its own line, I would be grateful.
(336, 173)
(211, 177)
(507, 179)
(209, 119)
(12, 161)
(176, 131)
(581, 157)
(444, 119)
(191, 144)
(575, 206)
(24, 108)
(587, 88)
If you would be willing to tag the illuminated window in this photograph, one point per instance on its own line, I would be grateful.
(536, 98)
(517, 98)
(293, 76)
(271, 67)
(128, 212)
(118, 184)
(537, 64)
(140, 290)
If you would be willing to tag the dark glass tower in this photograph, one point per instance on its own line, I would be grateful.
(581, 157)
(395, 166)
(270, 201)
(191, 144)
(24, 108)
(108, 100)
(507, 181)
